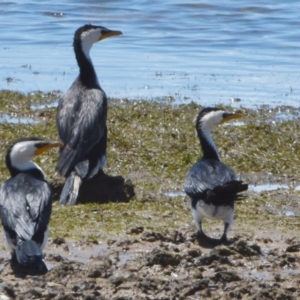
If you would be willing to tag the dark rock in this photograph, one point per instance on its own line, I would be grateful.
(291, 259)
(111, 242)
(291, 289)
(7, 289)
(193, 288)
(256, 248)
(174, 237)
(194, 253)
(223, 251)
(198, 274)
(83, 285)
(32, 294)
(135, 230)
(50, 294)
(177, 237)
(66, 297)
(151, 236)
(94, 296)
(244, 249)
(101, 269)
(268, 292)
(55, 257)
(278, 278)
(226, 277)
(63, 271)
(293, 248)
(209, 259)
(58, 241)
(151, 284)
(124, 243)
(116, 280)
(163, 258)
(95, 272)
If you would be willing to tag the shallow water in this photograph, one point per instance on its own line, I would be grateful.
(257, 188)
(4, 118)
(173, 194)
(267, 187)
(182, 50)
(285, 210)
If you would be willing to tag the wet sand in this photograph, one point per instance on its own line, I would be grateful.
(153, 265)
(143, 245)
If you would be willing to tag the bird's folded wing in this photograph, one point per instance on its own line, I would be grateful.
(80, 129)
(207, 175)
(25, 209)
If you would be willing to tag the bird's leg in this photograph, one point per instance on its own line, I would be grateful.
(224, 239)
(13, 257)
(200, 232)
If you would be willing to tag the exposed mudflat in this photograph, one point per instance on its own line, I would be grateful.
(153, 265)
(131, 236)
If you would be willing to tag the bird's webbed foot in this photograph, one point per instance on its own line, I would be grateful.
(224, 240)
(200, 234)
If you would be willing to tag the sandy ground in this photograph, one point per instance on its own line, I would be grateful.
(152, 265)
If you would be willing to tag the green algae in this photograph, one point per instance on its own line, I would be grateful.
(154, 144)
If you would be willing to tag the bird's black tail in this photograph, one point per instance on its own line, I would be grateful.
(70, 191)
(227, 193)
(29, 254)
(231, 188)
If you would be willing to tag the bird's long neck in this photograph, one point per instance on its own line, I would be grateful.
(87, 73)
(208, 145)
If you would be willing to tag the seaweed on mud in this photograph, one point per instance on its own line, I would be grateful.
(153, 144)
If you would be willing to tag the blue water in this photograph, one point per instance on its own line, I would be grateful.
(206, 52)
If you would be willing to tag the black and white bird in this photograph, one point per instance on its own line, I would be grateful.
(81, 117)
(25, 202)
(211, 185)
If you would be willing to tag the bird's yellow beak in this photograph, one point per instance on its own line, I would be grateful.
(46, 146)
(231, 116)
(108, 33)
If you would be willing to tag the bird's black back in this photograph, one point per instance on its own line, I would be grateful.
(25, 207)
(81, 123)
(213, 182)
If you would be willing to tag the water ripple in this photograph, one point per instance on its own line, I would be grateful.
(228, 49)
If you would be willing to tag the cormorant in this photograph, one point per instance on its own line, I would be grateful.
(81, 117)
(25, 203)
(210, 184)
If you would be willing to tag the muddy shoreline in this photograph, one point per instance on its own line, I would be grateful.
(155, 265)
(140, 242)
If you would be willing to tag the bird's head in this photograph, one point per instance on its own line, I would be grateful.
(210, 117)
(89, 34)
(23, 150)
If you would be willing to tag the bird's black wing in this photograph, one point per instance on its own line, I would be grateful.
(25, 206)
(213, 182)
(68, 108)
(207, 175)
(81, 125)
